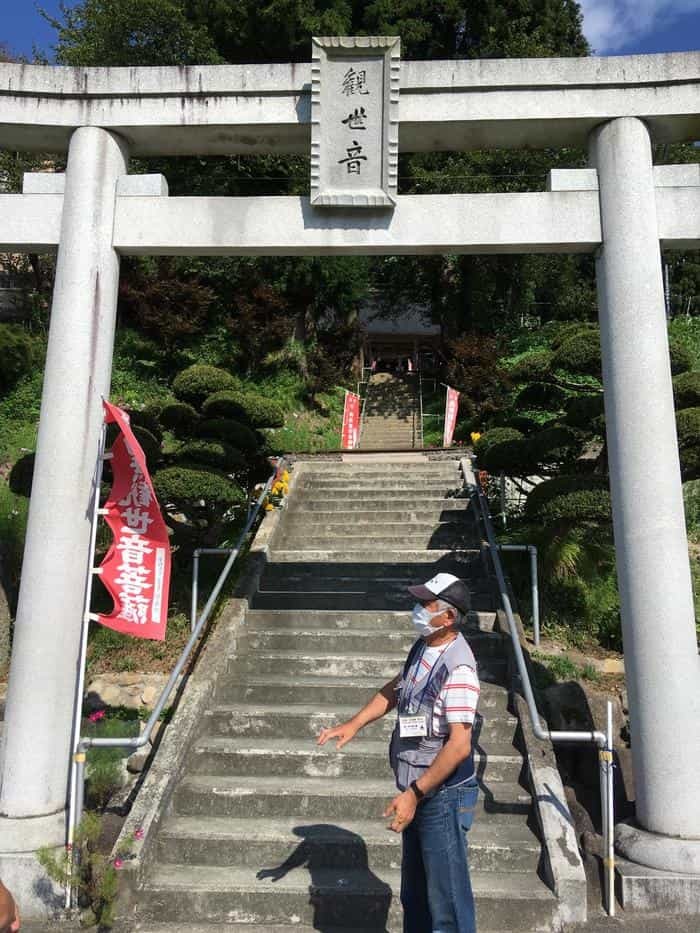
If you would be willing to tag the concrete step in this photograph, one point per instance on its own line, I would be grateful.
(368, 498)
(379, 526)
(381, 508)
(341, 642)
(318, 798)
(396, 487)
(438, 538)
(354, 507)
(333, 691)
(362, 759)
(318, 665)
(329, 620)
(299, 721)
(312, 582)
(439, 559)
(263, 843)
(358, 468)
(408, 571)
(327, 897)
(344, 602)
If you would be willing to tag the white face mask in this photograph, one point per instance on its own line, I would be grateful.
(422, 618)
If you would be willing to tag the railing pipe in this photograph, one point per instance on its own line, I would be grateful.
(531, 549)
(135, 742)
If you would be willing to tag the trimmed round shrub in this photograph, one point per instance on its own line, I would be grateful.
(233, 432)
(513, 458)
(555, 445)
(180, 418)
(688, 427)
(586, 412)
(691, 501)
(149, 444)
(583, 505)
(561, 487)
(681, 357)
(262, 412)
(495, 436)
(147, 420)
(532, 367)
(541, 395)
(523, 423)
(17, 355)
(21, 475)
(255, 410)
(226, 404)
(188, 485)
(686, 390)
(579, 353)
(198, 382)
(218, 454)
(566, 329)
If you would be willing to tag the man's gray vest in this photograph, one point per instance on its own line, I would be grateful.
(411, 756)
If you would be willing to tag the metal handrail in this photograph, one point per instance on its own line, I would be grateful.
(420, 422)
(362, 416)
(135, 742)
(602, 739)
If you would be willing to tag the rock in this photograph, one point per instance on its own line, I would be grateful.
(149, 696)
(136, 762)
(110, 695)
(130, 679)
(612, 666)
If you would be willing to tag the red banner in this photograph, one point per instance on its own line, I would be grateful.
(351, 421)
(451, 406)
(136, 570)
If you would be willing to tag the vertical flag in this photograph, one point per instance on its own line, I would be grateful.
(351, 421)
(451, 406)
(136, 570)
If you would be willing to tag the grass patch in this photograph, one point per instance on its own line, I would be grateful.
(551, 670)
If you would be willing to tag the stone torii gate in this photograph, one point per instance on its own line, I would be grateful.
(623, 208)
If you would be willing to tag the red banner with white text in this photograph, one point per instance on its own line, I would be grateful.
(451, 406)
(136, 570)
(351, 421)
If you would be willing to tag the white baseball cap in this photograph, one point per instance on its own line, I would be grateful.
(443, 586)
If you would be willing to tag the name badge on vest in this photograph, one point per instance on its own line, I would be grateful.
(411, 727)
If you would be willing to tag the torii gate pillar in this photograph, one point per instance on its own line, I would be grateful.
(52, 593)
(658, 621)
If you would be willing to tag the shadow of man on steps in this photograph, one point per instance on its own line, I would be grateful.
(343, 889)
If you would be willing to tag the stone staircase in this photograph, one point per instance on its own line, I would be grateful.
(268, 832)
(391, 414)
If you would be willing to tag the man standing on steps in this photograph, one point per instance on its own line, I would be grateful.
(431, 754)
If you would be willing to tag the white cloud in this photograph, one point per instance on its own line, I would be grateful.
(610, 25)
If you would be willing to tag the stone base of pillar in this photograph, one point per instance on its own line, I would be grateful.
(657, 873)
(37, 896)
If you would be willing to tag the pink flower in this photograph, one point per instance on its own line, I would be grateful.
(138, 834)
(118, 863)
(96, 715)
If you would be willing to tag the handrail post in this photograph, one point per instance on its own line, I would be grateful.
(532, 551)
(195, 588)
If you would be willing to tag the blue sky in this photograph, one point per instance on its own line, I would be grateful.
(614, 27)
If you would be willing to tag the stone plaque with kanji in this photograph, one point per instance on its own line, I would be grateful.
(354, 121)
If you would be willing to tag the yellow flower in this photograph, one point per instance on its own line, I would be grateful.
(285, 489)
(285, 476)
(475, 435)
(269, 506)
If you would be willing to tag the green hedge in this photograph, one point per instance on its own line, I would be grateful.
(681, 356)
(149, 444)
(555, 445)
(495, 436)
(579, 353)
(569, 329)
(691, 501)
(541, 395)
(532, 366)
(686, 390)
(180, 418)
(218, 454)
(583, 505)
(198, 382)
(586, 412)
(17, 355)
(21, 475)
(688, 427)
(184, 486)
(561, 487)
(511, 457)
(233, 432)
(255, 410)
(148, 420)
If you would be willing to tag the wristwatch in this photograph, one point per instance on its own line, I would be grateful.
(417, 791)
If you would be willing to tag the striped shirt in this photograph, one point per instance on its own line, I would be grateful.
(457, 701)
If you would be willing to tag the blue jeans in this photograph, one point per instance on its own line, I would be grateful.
(436, 891)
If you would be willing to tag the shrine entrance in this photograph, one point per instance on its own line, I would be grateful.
(354, 108)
